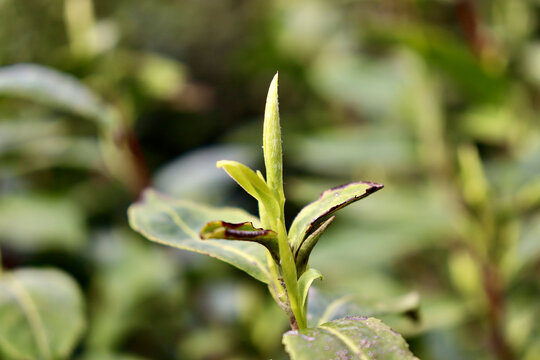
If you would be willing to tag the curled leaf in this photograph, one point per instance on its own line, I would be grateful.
(330, 201)
(242, 231)
(305, 281)
(302, 255)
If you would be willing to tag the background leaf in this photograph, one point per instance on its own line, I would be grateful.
(41, 314)
(52, 88)
(49, 222)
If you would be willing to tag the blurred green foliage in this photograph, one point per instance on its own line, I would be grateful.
(438, 100)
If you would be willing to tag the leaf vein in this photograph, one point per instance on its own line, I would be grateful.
(31, 313)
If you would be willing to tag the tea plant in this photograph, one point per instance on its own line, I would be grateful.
(264, 249)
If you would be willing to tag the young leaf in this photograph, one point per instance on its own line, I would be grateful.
(242, 231)
(254, 185)
(328, 202)
(273, 157)
(347, 338)
(304, 283)
(302, 254)
(176, 223)
(41, 314)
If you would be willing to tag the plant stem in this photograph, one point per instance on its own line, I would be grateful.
(495, 294)
(288, 268)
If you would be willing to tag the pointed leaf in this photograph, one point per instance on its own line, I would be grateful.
(254, 185)
(246, 178)
(273, 158)
(347, 338)
(242, 231)
(329, 202)
(302, 254)
(41, 314)
(177, 223)
(305, 281)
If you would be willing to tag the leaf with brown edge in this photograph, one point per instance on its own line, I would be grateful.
(330, 201)
(244, 231)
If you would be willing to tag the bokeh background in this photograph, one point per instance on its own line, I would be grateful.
(439, 100)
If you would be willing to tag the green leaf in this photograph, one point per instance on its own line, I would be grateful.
(254, 185)
(302, 255)
(323, 307)
(242, 231)
(273, 158)
(176, 223)
(246, 178)
(330, 201)
(41, 315)
(34, 222)
(304, 283)
(53, 88)
(347, 338)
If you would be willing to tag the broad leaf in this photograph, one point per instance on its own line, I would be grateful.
(177, 223)
(348, 338)
(52, 88)
(41, 315)
(323, 308)
(330, 201)
(242, 231)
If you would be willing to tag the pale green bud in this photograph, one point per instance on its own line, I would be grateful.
(273, 158)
